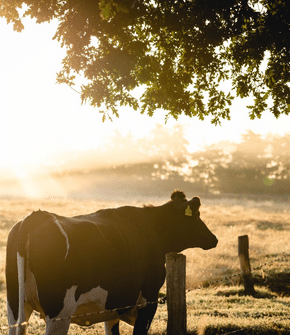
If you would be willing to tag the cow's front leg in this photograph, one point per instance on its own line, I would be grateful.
(112, 327)
(144, 319)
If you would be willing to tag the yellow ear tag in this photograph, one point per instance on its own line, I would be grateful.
(188, 211)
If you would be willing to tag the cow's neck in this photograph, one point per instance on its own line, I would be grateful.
(162, 220)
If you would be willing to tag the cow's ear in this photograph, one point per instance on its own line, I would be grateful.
(194, 204)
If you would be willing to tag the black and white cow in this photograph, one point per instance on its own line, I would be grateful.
(94, 268)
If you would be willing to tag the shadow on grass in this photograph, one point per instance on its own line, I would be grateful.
(278, 283)
(241, 293)
(238, 331)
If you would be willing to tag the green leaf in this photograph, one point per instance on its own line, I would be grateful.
(106, 10)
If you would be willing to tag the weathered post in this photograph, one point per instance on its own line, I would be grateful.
(245, 264)
(176, 299)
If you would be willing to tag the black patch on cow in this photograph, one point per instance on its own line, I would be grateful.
(47, 250)
(144, 319)
(122, 311)
(115, 329)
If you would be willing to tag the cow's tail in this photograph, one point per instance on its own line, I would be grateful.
(27, 226)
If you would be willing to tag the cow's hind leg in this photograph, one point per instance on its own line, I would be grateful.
(18, 327)
(144, 319)
(112, 327)
(57, 327)
(11, 320)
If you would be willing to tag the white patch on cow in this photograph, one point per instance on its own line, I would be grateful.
(96, 295)
(64, 234)
(88, 309)
(21, 288)
(11, 320)
(69, 303)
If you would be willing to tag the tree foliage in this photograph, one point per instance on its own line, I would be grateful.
(180, 52)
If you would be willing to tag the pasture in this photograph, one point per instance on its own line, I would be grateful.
(212, 307)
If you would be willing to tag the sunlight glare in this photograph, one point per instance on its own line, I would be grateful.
(42, 123)
(32, 185)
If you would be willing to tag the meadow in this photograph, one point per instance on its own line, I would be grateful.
(216, 303)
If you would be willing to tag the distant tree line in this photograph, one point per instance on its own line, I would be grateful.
(161, 160)
(256, 165)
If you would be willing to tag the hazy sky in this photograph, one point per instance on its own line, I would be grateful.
(39, 118)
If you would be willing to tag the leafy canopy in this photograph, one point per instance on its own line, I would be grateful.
(181, 52)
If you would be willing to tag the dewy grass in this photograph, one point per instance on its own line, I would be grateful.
(209, 311)
(217, 308)
(227, 308)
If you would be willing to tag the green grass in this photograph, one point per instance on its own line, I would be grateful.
(217, 308)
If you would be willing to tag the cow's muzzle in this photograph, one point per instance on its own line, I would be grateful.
(210, 243)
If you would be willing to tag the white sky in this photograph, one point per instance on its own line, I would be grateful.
(39, 118)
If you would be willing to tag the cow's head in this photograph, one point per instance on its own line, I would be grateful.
(190, 231)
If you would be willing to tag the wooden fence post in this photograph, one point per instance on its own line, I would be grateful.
(245, 264)
(176, 299)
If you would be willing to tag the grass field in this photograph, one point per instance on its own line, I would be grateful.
(212, 308)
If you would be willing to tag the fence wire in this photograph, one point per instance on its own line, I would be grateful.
(162, 300)
(212, 283)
